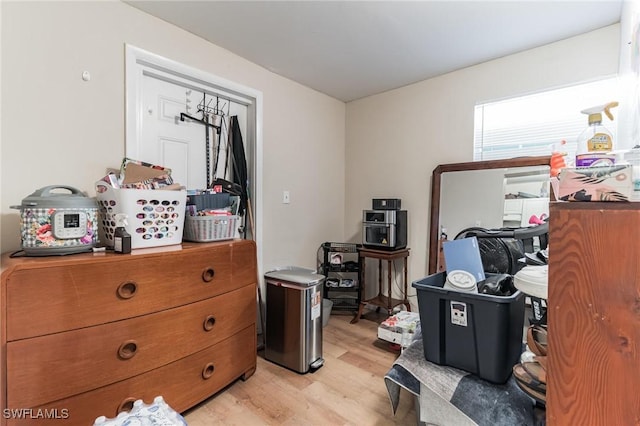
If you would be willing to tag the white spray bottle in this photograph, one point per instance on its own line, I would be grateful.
(596, 142)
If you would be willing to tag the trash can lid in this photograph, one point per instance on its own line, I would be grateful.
(296, 275)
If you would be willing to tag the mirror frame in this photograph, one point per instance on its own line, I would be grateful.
(436, 179)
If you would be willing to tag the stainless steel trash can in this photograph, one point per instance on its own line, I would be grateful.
(293, 330)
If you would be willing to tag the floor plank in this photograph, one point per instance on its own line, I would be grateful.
(348, 390)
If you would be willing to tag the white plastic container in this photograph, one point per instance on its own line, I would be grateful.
(155, 216)
(533, 280)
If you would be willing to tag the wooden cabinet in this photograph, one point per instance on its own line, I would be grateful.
(88, 334)
(594, 314)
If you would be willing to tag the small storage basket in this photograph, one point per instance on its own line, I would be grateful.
(210, 228)
(155, 217)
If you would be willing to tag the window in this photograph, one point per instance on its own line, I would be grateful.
(529, 125)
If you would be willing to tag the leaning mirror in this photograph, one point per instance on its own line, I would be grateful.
(489, 194)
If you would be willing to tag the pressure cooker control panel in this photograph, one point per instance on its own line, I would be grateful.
(69, 224)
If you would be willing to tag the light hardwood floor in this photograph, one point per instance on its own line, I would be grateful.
(348, 390)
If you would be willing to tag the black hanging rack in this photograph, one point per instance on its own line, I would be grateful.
(207, 109)
(203, 122)
(212, 117)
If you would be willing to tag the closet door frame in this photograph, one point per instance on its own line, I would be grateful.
(139, 62)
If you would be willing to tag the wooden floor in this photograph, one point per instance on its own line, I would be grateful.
(348, 390)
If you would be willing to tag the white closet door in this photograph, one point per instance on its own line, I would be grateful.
(167, 141)
(181, 145)
(158, 91)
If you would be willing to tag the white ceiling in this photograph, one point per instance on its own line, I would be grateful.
(353, 49)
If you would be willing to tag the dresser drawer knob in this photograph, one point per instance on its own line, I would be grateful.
(126, 405)
(207, 371)
(209, 321)
(127, 289)
(128, 349)
(207, 274)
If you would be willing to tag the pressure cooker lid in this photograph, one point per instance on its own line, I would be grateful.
(52, 197)
(294, 274)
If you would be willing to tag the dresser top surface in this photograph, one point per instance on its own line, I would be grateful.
(8, 262)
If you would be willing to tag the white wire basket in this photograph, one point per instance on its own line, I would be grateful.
(210, 228)
(155, 217)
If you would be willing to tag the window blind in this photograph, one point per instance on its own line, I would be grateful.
(530, 125)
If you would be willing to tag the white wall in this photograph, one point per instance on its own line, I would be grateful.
(396, 139)
(1, 8)
(58, 129)
(629, 73)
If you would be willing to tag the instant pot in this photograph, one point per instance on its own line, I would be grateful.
(55, 223)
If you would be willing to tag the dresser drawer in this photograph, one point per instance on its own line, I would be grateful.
(48, 368)
(182, 384)
(69, 296)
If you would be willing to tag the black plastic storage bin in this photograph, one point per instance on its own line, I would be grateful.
(485, 335)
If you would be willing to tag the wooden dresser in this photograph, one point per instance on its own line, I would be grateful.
(593, 373)
(85, 335)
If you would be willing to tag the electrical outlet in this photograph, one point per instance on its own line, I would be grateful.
(286, 197)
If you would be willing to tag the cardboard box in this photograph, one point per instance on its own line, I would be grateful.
(399, 328)
(604, 183)
(140, 175)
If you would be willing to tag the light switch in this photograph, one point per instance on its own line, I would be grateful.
(286, 199)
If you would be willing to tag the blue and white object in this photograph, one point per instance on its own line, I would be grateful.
(464, 255)
(461, 281)
(156, 414)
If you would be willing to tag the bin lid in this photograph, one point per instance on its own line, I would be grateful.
(296, 275)
(533, 280)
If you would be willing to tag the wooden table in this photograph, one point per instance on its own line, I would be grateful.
(385, 301)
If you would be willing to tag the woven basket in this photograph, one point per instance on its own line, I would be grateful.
(209, 228)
